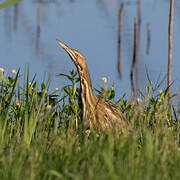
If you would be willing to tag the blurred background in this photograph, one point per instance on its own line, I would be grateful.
(29, 29)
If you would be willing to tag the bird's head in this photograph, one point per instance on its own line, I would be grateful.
(76, 56)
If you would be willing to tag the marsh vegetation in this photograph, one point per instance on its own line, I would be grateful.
(39, 138)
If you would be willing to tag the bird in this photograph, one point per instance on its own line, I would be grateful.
(96, 111)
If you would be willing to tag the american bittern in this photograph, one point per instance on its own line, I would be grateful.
(96, 111)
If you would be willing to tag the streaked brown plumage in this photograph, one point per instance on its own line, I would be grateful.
(96, 111)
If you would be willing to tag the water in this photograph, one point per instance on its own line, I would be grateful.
(92, 28)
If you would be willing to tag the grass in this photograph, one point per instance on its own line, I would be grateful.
(41, 135)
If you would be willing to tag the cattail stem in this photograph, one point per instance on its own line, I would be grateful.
(134, 61)
(138, 46)
(38, 28)
(148, 38)
(119, 37)
(171, 17)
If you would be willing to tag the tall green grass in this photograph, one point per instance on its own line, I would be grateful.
(41, 135)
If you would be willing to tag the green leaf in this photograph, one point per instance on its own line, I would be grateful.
(9, 3)
(74, 89)
(68, 91)
(43, 86)
(64, 75)
(4, 79)
(77, 80)
(8, 107)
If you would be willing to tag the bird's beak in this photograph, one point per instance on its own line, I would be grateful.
(67, 49)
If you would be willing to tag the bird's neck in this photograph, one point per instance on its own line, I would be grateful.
(87, 96)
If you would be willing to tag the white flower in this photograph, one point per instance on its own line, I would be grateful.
(104, 80)
(2, 70)
(88, 132)
(160, 91)
(139, 100)
(30, 84)
(56, 89)
(48, 107)
(13, 72)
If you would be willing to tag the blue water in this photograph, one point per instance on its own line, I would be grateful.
(92, 28)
